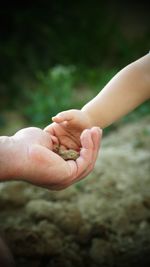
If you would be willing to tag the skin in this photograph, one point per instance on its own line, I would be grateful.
(29, 151)
(28, 156)
(126, 90)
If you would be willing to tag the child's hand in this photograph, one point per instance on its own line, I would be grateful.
(68, 126)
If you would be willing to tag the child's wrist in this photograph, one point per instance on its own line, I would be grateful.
(89, 119)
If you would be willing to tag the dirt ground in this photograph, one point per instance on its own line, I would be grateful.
(103, 220)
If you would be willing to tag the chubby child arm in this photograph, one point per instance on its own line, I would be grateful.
(126, 90)
(129, 88)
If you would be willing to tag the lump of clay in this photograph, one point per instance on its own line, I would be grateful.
(67, 154)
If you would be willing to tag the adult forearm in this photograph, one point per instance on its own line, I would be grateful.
(7, 158)
(127, 90)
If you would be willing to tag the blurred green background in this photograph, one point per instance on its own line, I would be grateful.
(57, 55)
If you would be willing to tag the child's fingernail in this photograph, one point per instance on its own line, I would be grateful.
(53, 118)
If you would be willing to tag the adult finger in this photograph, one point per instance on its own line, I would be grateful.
(96, 134)
(79, 166)
(49, 129)
(90, 140)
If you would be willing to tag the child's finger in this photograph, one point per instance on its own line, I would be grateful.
(63, 116)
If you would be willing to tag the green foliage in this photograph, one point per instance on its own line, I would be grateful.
(52, 95)
(94, 78)
(98, 41)
(60, 88)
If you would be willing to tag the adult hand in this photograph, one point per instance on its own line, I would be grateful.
(28, 156)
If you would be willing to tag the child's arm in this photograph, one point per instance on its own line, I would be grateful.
(126, 90)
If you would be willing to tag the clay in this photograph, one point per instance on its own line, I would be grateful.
(69, 154)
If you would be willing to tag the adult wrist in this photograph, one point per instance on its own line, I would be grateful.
(8, 158)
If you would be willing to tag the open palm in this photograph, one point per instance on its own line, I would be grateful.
(36, 163)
